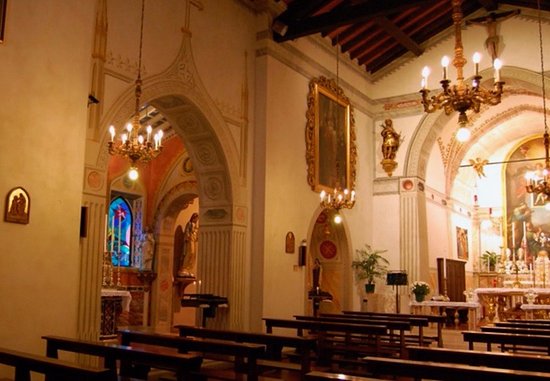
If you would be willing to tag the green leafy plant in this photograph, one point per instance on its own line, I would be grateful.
(490, 258)
(369, 264)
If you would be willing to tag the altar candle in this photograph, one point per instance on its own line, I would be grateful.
(113, 234)
(119, 235)
(513, 236)
(199, 288)
(444, 268)
(105, 236)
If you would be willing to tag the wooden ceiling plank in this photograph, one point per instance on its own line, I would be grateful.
(399, 35)
(489, 5)
(343, 16)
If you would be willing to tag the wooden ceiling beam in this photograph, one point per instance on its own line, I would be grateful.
(401, 37)
(341, 16)
(489, 5)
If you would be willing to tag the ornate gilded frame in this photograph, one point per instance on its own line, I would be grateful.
(3, 7)
(328, 105)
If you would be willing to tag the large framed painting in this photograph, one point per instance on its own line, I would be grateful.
(331, 153)
(527, 219)
(2, 19)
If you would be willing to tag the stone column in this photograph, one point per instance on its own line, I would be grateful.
(413, 229)
(223, 270)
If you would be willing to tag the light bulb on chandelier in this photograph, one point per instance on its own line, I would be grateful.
(133, 174)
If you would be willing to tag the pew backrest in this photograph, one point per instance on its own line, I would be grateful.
(25, 363)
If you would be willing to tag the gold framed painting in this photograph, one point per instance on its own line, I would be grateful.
(2, 19)
(331, 153)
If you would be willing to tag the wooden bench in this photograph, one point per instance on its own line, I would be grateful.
(244, 355)
(505, 360)
(327, 348)
(134, 362)
(413, 321)
(390, 324)
(434, 319)
(53, 369)
(525, 342)
(519, 330)
(319, 376)
(382, 366)
(521, 325)
(273, 358)
(532, 321)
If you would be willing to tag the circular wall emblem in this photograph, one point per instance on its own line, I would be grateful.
(408, 184)
(187, 165)
(328, 249)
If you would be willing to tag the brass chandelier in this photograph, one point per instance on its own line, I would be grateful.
(136, 146)
(539, 183)
(461, 97)
(337, 200)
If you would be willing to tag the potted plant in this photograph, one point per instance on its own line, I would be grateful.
(420, 289)
(489, 258)
(369, 265)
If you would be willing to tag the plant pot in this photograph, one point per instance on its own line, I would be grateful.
(419, 297)
(369, 288)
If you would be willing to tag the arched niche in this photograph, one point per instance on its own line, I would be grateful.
(329, 243)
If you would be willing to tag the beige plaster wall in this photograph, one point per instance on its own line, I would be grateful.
(45, 80)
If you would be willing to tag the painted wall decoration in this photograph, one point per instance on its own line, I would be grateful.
(527, 220)
(331, 153)
(18, 206)
(462, 243)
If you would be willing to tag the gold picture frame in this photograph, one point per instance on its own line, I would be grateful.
(331, 153)
(3, 7)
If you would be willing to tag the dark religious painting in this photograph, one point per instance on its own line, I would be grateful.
(330, 137)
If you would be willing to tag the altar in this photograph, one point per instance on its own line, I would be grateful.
(502, 303)
(113, 304)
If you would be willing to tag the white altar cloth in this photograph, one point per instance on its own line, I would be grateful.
(125, 295)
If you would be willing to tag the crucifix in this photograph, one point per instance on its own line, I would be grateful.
(490, 21)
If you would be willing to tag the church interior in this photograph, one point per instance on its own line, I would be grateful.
(232, 164)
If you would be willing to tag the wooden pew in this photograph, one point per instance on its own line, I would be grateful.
(390, 324)
(532, 321)
(274, 343)
(53, 369)
(327, 347)
(379, 366)
(435, 319)
(240, 351)
(521, 325)
(519, 330)
(526, 342)
(414, 321)
(320, 376)
(504, 360)
(135, 362)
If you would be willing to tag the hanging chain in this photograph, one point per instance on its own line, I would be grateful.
(542, 68)
(141, 37)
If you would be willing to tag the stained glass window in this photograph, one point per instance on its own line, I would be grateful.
(120, 231)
